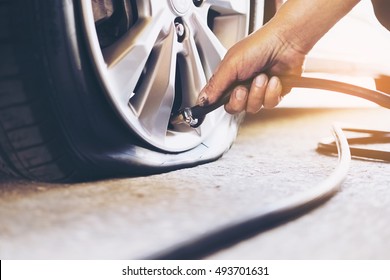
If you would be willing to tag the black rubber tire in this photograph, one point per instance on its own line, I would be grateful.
(56, 124)
(47, 90)
(32, 144)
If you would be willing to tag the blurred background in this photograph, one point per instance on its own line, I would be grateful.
(356, 50)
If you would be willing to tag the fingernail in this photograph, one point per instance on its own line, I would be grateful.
(240, 94)
(260, 80)
(273, 83)
(203, 99)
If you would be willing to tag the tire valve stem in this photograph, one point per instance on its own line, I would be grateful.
(185, 116)
(194, 116)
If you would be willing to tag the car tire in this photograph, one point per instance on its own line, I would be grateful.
(58, 120)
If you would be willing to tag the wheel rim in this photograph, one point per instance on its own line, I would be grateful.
(156, 57)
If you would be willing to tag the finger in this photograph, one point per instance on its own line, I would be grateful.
(223, 77)
(256, 93)
(273, 94)
(238, 100)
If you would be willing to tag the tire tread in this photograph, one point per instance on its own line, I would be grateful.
(31, 143)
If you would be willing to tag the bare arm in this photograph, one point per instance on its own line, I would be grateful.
(382, 11)
(278, 48)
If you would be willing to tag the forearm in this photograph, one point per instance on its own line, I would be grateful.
(303, 22)
(382, 12)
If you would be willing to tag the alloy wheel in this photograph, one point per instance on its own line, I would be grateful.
(153, 57)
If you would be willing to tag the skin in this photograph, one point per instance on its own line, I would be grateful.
(278, 48)
(382, 9)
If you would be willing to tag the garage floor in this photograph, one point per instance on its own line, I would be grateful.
(273, 158)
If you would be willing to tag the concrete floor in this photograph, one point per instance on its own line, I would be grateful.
(273, 158)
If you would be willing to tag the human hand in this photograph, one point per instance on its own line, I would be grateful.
(278, 48)
(262, 56)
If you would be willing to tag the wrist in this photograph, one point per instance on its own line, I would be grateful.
(292, 33)
(301, 23)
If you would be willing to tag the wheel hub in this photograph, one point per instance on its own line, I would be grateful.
(181, 7)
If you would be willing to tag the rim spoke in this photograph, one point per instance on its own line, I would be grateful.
(193, 76)
(155, 98)
(210, 48)
(127, 57)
